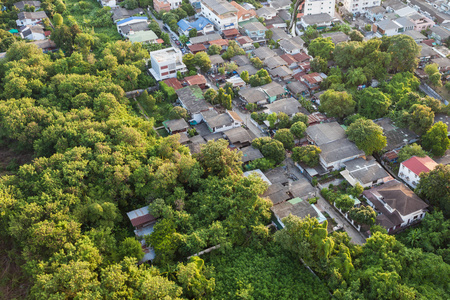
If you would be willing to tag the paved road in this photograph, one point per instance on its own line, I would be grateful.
(246, 118)
(161, 23)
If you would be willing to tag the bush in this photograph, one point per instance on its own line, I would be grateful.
(263, 164)
(313, 200)
(168, 91)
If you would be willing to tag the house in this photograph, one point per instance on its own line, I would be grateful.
(439, 34)
(176, 126)
(221, 122)
(143, 222)
(240, 60)
(354, 6)
(230, 33)
(336, 148)
(279, 34)
(427, 53)
(236, 81)
(274, 62)
(120, 13)
(322, 21)
(22, 5)
(202, 25)
(280, 4)
(275, 22)
(443, 64)
(198, 80)
(336, 37)
(396, 137)
(255, 30)
(375, 13)
(46, 45)
(396, 205)
(30, 18)
(108, 3)
(166, 63)
(273, 90)
(292, 46)
(191, 98)
(297, 88)
(282, 72)
(253, 95)
(416, 35)
(174, 83)
(148, 37)
(243, 14)
(245, 43)
(221, 13)
(264, 53)
(249, 68)
(196, 48)
(421, 22)
(166, 5)
(131, 25)
(266, 12)
(315, 7)
(312, 80)
(405, 23)
(284, 14)
(411, 169)
(289, 106)
(365, 172)
(290, 60)
(34, 33)
(205, 39)
(387, 27)
(296, 207)
(222, 43)
(216, 61)
(250, 154)
(238, 137)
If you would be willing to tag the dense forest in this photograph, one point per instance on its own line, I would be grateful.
(81, 156)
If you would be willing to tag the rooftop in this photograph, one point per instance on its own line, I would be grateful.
(140, 216)
(216, 59)
(192, 98)
(275, 62)
(289, 106)
(336, 37)
(241, 60)
(264, 53)
(32, 15)
(317, 19)
(249, 154)
(258, 173)
(325, 133)
(396, 137)
(220, 7)
(252, 95)
(205, 38)
(338, 150)
(366, 171)
(273, 89)
(143, 36)
(176, 125)
(418, 165)
(297, 207)
(238, 135)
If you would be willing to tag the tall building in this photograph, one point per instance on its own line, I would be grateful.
(222, 13)
(315, 7)
(166, 63)
(360, 6)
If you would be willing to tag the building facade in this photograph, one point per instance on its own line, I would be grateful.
(166, 63)
(221, 13)
(314, 7)
(360, 6)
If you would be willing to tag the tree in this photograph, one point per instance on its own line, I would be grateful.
(217, 159)
(373, 103)
(307, 154)
(178, 112)
(58, 20)
(130, 247)
(214, 49)
(271, 149)
(436, 139)
(367, 136)
(404, 52)
(272, 118)
(356, 35)
(256, 62)
(195, 278)
(286, 137)
(261, 77)
(192, 32)
(319, 64)
(434, 76)
(322, 47)
(268, 34)
(355, 77)
(299, 117)
(409, 151)
(245, 76)
(189, 60)
(420, 118)
(210, 96)
(202, 61)
(298, 129)
(363, 215)
(283, 120)
(435, 186)
(344, 203)
(184, 39)
(337, 104)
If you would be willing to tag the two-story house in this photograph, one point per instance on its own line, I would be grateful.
(166, 5)
(255, 30)
(243, 14)
(221, 13)
(314, 7)
(202, 25)
(30, 18)
(166, 63)
(360, 6)
(191, 99)
(411, 168)
(421, 22)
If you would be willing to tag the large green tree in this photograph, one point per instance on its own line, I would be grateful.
(435, 187)
(307, 154)
(436, 139)
(404, 52)
(373, 103)
(367, 136)
(322, 47)
(337, 104)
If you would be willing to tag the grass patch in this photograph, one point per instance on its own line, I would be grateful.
(163, 132)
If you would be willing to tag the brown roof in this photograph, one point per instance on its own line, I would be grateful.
(235, 116)
(230, 32)
(220, 42)
(301, 57)
(244, 40)
(313, 78)
(242, 11)
(288, 58)
(173, 82)
(197, 47)
(196, 79)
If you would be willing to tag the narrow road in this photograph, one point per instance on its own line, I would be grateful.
(246, 119)
(161, 23)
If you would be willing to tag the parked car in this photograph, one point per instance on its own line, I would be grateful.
(177, 42)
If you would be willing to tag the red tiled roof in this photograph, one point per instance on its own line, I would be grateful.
(429, 42)
(418, 165)
(219, 42)
(289, 59)
(173, 82)
(160, 41)
(230, 32)
(242, 11)
(244, 40)
(197, 47)
(142, 220)
(196, 79)
(313, 78)
(301, 57)
(47, 33)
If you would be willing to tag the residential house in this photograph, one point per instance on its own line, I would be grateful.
(166, 63)
(274, 62)
(148, 37)
(191, 98)
(393, 5)
(296, 207)
(195, 48)
(143, 222)
(253, 95)
(396, 205)
(205, 39)
(108, 3)
(439, 34)
(315, 7)
(245, 43)
(427, 53)
(411, 169)
(266, 12)
(221, 13)
(365, 172)
(250, 154)
(291, 62)
(166, 5)
(421, 22)
(238, 137)
(274, 91)
(216, 62)
(336, 37)
(131, 25)
(280, 4)
(282, 72)
(240, 60)
(202, 25)
(355, 6)
(222, 43)
(312, 80)
(176, 126)
(30, 18)
(322, 21)
(236, 81)
(284, 14)
(405, 23)
(416, 35)
(120, 13)
(275, 22)
(292, 46)
(22, 5)
(289, 106)
(443, 64)
(279, 34)
(230, 33)
(46, 45)
(34, 33)
(174, 83)
(387, 27)
(298, 88)
(375, 13)
(336, 148)
(264, 53)
(249, 68)
(396, 137)
(255, 30)
(221, 122)
(198, 80)
(243, 14)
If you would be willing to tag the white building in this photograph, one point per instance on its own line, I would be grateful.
(166, 63)
(315, 7)
(34, 33)
(411, 168)
(221, 122)
(30, 18)
(221, 13)
(360, 6)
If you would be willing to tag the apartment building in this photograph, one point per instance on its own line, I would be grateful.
(223, 14)
(360, 6)
(166, 5)
(166, 63)
(315, 7)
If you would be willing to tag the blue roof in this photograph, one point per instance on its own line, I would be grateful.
(130, 19)
(200, 23)
(183, 24)
(197, 5)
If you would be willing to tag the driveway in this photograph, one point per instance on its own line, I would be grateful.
(246, 119)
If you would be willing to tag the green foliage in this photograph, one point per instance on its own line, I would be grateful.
(201, 59)
(434, 76)
(178, 112)
(214, 49)
(404, 52)
(298, 129)
(256, 62)
(337, 104)
(373, 103)
(322, 47)
(357, 36)
(363, 215)
(169, 92)
(367, 136)
(299, 117)
(261, 77)
(193, 33)
(263, 164)
(319, 64)
(195, 278)
(433, 186)
(307, 154)
(344, 203)
(420, 118)
(217, 159)
(409, 151)
(271, 149)
(436, 139)
(233, 50)
(286, 137)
